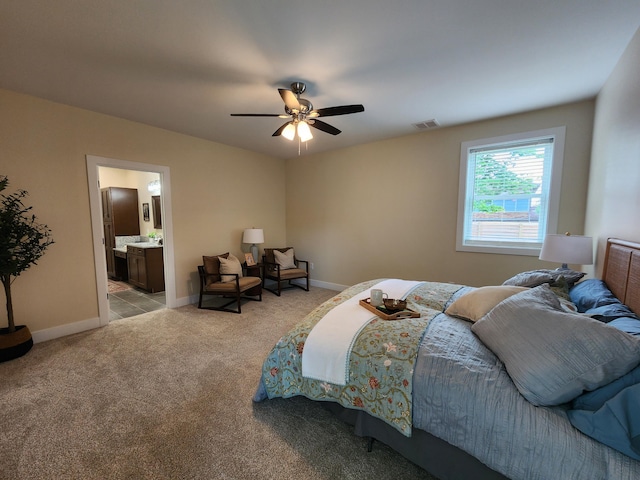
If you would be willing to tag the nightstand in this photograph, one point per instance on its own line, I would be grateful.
(253, 271)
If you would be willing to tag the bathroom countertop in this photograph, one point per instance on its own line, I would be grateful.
(123, 248)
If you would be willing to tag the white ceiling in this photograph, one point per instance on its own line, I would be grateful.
(185, 65)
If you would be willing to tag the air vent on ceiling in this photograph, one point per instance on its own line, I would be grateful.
(433, 123)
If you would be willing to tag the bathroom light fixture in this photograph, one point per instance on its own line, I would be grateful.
(253, 236)
(567, 248)
(154, 186)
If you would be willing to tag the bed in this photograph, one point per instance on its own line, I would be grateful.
(537, 378)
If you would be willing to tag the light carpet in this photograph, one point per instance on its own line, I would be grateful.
(167, 395)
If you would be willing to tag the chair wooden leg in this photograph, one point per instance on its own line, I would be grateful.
(223, 307)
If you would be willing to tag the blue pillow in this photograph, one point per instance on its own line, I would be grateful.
(606, 313)
(591, 293)
(616, 423)
(630, 325)
(595, 399)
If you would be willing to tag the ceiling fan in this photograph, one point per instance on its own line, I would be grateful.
(301, 114)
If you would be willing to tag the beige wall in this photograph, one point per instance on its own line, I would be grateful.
(388, 209)
(382, 209)
(614, 186)
(217, 191)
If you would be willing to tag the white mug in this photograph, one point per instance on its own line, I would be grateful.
(377, 297)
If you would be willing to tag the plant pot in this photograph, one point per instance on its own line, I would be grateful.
(15, 344)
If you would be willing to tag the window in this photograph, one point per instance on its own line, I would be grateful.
(509, 192)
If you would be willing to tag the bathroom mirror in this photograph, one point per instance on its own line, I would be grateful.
(157, 211)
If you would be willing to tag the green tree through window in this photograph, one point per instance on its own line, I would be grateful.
(509, 191)
(495, 177)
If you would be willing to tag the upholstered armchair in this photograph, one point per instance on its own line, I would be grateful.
(222, 276)
(282, 266)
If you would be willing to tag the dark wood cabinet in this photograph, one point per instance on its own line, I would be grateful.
(106, 205)
(109, 244)
(121, 207)
(146, 268)
(120, 216)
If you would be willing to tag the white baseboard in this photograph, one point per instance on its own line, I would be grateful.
(329, 286)
(64, 330)
(317, 283)
(84, 325)
(181, 302)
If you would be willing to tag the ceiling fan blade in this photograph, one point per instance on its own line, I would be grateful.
(341, 110)
(278, 132)
(289, 99)
(254, 114)
(325, 127)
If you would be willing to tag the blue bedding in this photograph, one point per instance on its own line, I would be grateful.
(616, 423)
(462, 393)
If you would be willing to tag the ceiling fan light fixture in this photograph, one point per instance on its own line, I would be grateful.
(304, 132)
(302, 116)
(289, 131)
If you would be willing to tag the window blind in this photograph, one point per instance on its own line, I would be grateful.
(508, 191)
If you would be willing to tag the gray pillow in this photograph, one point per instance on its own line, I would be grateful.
(552, 355)
(534, 278)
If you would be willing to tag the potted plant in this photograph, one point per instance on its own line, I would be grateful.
(22, 242)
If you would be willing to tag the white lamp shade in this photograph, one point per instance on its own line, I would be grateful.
(289, 131)
(563, 249)
(304, 132)
(253, 235)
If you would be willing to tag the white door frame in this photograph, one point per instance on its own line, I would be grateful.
(95, 200)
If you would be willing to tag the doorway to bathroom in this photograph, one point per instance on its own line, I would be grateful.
(132, 229)
(134, 199)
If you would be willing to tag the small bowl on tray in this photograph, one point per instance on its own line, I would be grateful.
(394, 305)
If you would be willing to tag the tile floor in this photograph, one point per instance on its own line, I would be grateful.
(129, 303)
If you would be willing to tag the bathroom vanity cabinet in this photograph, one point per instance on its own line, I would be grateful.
(146, 268)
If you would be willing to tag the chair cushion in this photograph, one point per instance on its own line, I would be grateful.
(286, 260)
(268, 255)
(230, 265)
(212, 267)
(249, 282)
(292, 273)
(230, 287)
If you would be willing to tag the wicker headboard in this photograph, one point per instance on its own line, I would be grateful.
(622, 271)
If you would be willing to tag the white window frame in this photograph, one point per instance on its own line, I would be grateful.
(550, 224)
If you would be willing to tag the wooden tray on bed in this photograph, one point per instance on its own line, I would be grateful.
(383, 312)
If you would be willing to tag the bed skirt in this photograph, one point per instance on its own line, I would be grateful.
(436, 456)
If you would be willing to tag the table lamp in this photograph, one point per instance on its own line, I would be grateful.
(253, 236)
(567, 248)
